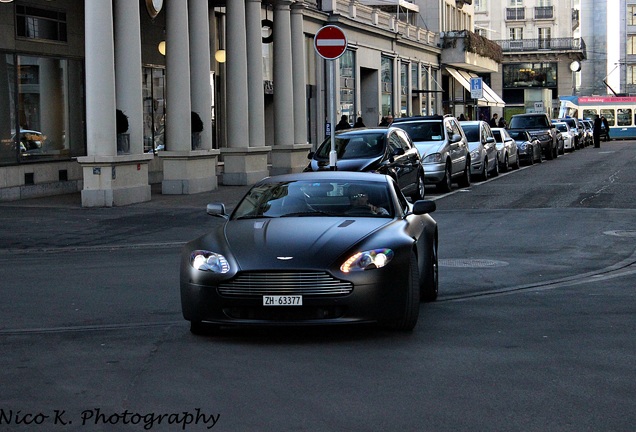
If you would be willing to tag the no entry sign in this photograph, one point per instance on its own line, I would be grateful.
(330, 42)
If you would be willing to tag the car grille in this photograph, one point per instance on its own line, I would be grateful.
(251, 284)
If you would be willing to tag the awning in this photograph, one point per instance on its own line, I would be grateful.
(490, 97)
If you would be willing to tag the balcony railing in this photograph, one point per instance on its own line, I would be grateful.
(515, 14)
(556, 44)
(544, 12)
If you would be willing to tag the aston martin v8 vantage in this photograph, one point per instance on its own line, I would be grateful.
(313, 249)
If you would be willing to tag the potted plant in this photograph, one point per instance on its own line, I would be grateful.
(197, 128)
(123, 138)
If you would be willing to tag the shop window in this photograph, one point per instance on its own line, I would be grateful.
(38, 23)
(387, 85)
(43, 97)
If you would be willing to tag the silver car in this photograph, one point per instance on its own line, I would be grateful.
(567, 135)
(506, 149)
(443, 147)
(483, 150)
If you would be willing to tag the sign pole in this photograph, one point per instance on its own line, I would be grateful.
(330, 43)
(333, 158)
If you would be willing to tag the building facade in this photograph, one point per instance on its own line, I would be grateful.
(108, 97)
(542, 52)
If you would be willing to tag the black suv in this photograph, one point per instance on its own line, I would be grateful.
(539, 126)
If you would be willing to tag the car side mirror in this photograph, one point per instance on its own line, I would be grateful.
(217, 209)
(490, 140)
(310, 155)
(424, 206)
(398, 152)
(456, 138)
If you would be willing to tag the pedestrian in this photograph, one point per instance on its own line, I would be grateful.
(461, 117)
(493, 120)
(606, 126)
(359, 123)
(598, 124)
(343, 124)
(386, 121)
(502, 123)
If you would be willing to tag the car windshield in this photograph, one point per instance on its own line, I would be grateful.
(316, 198)
(423, 130)
(561, 127)
(472, 132)
(528, 122)
(354, 146)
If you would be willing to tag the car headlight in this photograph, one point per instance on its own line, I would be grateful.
(209, 261)
(433, 158)
(474, 155)
(522, 146)
(367, 260)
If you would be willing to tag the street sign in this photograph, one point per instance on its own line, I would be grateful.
(330, 42)
(476, 88)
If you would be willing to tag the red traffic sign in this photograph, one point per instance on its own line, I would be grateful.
(330, 42)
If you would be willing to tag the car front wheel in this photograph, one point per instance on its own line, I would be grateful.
(464, 180)
(445, 184)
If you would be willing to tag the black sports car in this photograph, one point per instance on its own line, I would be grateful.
(313, 248)
(383, 150)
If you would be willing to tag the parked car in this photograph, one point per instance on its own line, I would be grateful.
(529, 148)
(589, 132)
(383, 150)
(443, 147)
(567, 135)
(539, 126)
(311, 249)
(483, 150)
(578, 130)
(506, 149)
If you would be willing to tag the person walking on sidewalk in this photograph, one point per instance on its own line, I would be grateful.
(598, 124)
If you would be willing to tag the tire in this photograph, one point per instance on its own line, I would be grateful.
(464, 180)
(420, 189)
(506, 165)
(549, 152)
(517, 164)
(540, 160)
(445, 184)
(411, 306)
(484, 170)
(495, 170)
(429, 281)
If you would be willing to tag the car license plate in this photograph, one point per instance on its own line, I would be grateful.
(278, 300)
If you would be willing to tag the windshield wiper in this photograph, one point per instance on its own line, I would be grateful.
(310, 213)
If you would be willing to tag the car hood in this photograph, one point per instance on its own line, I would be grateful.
(305, 242)
(474, 145)
(429, 147)
(366, 164)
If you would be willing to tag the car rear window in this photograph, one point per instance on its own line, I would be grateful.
(352, 146)
(472, 132)
(529, 122)
(423, 131)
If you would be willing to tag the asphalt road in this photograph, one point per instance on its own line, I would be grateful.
(533, 330)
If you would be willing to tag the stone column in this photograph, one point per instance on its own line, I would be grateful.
(286, 156)
(128, 78)
(185, 171)
(245, 158)
(101, 137)
(201, 90)
(299, 73)
(108, 179)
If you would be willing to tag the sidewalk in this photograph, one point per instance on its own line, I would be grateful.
(61, 222)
